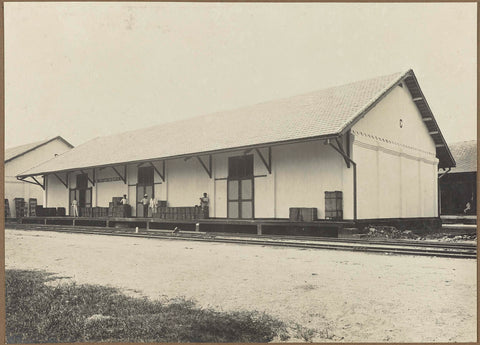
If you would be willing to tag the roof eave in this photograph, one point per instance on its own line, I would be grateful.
(200, 153)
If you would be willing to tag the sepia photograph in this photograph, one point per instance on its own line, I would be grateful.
(240, 172)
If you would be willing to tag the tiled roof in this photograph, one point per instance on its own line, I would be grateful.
(465, 154)
(14, 152)
(317, 114)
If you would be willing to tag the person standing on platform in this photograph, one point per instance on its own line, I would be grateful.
(153, 205)
(124, 201)
(204, 201)
(145, 205)
(75, 207)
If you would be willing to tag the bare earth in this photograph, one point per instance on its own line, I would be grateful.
(356, 296)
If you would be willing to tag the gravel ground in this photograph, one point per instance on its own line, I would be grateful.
(355, 296)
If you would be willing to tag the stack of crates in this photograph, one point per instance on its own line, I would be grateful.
(85, 211)
(334, 205)
(20, 207)
(7, 209)
(61, 211)
(39, 211)
(32, 207)
(100, 211)
(181, 213)
(50, 211)
(120, 211)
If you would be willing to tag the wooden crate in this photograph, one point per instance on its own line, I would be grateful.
(303, 214)
(334, 205)
(32, 204)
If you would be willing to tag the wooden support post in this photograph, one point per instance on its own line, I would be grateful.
(148, 224)
(45, 221)
(73, 221)
(108, 223)
(259, 229)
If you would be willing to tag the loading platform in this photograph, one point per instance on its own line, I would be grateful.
(249, 226)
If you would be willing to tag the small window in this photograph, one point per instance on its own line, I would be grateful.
(240, 167)
(145, 176)
(82, 181)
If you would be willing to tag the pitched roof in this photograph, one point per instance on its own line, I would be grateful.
(319, 114)
(465, 154)
(14, 152)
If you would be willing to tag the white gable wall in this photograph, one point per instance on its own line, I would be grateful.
(396, 165)
(18, 189)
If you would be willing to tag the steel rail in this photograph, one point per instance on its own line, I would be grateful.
(367, 247)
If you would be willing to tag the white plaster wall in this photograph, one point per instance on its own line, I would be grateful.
(219, 197)
(105, 191)
(17, 189)
(396, 165)
(389, 186)
(187, 181)
(383, 121)
(303, 172)
(368, 191)
(35, 157)
(56, 192)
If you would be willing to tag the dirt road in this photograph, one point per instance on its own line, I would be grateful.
(356, 296)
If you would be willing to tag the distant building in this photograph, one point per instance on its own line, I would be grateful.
(459, 185)
(21, 158)
(373, 144)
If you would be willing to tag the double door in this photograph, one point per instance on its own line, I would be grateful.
(141, 191)
(240, 198)
(83, 197)
(240, 189)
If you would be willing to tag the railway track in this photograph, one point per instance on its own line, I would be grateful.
(398, 247)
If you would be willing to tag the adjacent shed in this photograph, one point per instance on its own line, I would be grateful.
(373, 146)
(458, 186)
(28, 156)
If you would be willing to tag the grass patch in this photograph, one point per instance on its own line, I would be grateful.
(37, 312)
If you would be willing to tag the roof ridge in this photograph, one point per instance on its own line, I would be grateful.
(247, 106)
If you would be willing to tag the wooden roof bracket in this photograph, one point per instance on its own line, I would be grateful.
(64, 183)
(162, 174)
(444, 173)
(345, 155)
(347, 158)
(124, 177)
(268, 164)
(23, 179)
(209, 168)
(88, 177)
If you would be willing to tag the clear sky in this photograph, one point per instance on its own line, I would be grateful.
(82, 70)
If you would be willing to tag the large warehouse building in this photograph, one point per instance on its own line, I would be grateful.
(375, 141)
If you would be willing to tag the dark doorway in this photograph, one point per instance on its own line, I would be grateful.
(82, 193)
(240, 190)
(145, 185)
(456, 189)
